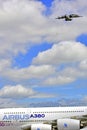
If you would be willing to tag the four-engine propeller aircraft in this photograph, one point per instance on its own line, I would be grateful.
(69, 17)
(46, 118)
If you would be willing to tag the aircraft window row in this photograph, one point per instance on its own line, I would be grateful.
(6, 121)
(42, 112)
(31, 121)
(25, 121)
(58, 111)
(9, 121)
(14, 112)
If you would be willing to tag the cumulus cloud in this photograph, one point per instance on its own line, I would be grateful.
(47, 68)
(28, 73)
(66, 76)
(58, 80)
(19, 91)
(63, 52)
(4, 63)
(19, 25)
(69, 6)
(83, 65)
(72, 55)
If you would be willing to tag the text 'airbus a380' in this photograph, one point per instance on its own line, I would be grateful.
(46, 118)
(69, 17)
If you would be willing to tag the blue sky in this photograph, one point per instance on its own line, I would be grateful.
(24, 60)
(42, 59)
(47, 3)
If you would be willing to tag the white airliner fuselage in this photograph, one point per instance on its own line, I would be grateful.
(46, 118)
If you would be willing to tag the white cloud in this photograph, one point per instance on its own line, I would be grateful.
(72, 55)
(19, 92)
(47, 70)
(63, 52)
(18, 24)
(83, 65)
(60, 7)
(58, 80)
(28, 73)
(66, 75)
(4, 64)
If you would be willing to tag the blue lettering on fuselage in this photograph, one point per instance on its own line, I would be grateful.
(16, 117)
(37, 115)
(22, 117)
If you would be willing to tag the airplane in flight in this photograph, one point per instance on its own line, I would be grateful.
(69, 17)
(45, 118)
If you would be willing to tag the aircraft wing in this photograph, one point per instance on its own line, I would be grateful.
(74, 16)
(62, 17)
(67, 18)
